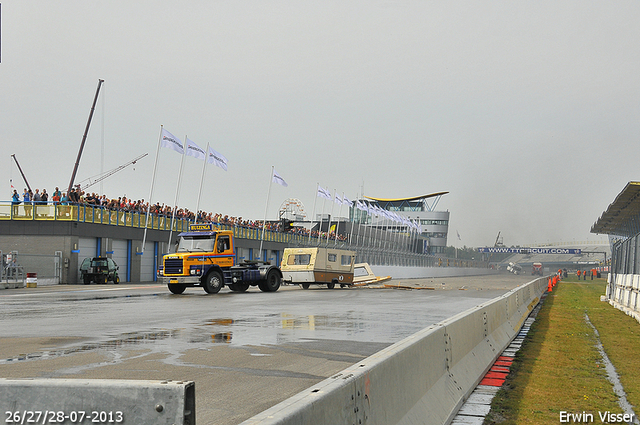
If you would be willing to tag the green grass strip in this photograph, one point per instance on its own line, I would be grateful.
(558, 369)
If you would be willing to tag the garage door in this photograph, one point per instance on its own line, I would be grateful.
(87, 247)
(147, 269)
(243, 254)
(119, 249)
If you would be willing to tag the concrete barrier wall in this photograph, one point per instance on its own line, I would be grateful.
(623, 293)
(103, 401)
(399, 272)
(424, 378)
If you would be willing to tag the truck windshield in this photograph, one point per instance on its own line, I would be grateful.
(196, 243)
(99, 263)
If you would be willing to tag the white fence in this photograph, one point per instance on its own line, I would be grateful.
(622, 293)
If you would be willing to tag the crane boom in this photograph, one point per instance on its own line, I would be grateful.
(111, 172)
(84, 137)
(20, 169)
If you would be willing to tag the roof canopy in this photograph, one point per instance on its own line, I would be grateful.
(415, 198)
(622, 216)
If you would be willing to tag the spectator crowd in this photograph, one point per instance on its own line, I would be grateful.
(77, 196)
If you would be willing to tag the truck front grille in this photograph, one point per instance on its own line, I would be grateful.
(173, 266)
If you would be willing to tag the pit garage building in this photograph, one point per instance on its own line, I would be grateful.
(621, 221)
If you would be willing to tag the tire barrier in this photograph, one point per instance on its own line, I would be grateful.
(425, 378)
(97, 401)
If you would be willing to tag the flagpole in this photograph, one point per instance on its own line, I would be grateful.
(366, 242)
(204, 167)
(324, 202)
(266, 207)
(175, 202)
(338, 222)
(398, 236)
(330, 216)
(386, 232)
(153, 180)
(376, 231)
(411, 236)
(352, 222)
(357, 204)
(313, 215)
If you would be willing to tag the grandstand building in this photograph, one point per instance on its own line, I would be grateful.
(434, 225)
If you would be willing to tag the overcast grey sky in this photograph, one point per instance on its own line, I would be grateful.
(526, 112)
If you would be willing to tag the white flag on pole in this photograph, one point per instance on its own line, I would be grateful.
(324, 193)
(172, 142)
(194, 150)
(338, 199)
(277, 179)
(346, 201)
(218, 159)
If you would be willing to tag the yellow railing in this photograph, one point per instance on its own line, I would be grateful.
(99, 215)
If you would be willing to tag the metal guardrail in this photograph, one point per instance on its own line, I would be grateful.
(12, 276)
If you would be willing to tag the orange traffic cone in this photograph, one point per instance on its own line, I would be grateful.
(550, 286)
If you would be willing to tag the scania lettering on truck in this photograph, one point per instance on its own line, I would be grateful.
(206, 257)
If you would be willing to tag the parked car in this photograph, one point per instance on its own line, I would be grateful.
(99, 270)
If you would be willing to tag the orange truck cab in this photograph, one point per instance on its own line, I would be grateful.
(206, 257)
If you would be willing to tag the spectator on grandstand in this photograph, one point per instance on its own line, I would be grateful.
(27, 197)
(15, 201)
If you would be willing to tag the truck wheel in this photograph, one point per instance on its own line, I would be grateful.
(306, 285)
(271, 283)
(176, 288)
(331, 285)
(213, 283)
(87, 280)
(116, 280)
(239, 287)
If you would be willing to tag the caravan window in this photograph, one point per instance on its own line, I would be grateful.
(346, 260)
(332, 257)
(299, 260)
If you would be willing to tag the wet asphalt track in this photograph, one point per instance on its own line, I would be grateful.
(245, 351)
